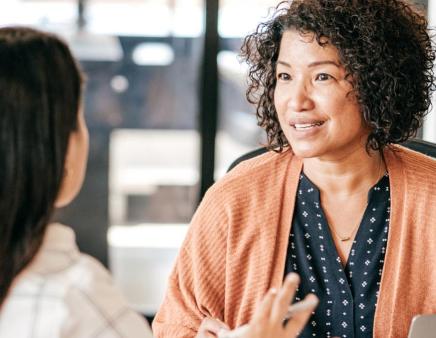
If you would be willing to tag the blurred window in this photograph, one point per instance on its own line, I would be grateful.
(238, 132)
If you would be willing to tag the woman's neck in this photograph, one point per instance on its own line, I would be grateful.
(352, 174)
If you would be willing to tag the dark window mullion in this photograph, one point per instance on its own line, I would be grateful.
(208, 116)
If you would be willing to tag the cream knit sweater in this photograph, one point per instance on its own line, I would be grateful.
(236, 247)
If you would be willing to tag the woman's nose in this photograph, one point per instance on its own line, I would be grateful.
(299, 99)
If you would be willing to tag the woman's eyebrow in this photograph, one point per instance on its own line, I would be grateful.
(326, 62)
(312, 64)
(284, 63)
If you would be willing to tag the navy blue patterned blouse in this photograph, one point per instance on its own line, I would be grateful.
(348, 295)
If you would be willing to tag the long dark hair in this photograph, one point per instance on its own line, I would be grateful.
(40, 94)
(383, 44)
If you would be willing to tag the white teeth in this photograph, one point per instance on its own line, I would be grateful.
(307, 125)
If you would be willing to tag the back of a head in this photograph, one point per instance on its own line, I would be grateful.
(40, 91)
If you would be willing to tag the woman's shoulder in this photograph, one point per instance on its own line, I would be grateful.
(246, 190)
(261, 170)
(81, 294)
(264, 161)
(86, 289)
(412, 162)
(59, 262)
(95, 304)
(414, 173)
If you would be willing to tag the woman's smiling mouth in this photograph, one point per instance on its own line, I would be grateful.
(306, 126)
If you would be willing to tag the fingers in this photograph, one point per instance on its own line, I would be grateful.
(263, 311)
(209, 328)
(268, 320)
(208, 335)
(300, 318)
(284, 297)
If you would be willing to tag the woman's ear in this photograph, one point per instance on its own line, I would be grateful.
(75, 164)
(67, 190)
(67, 172)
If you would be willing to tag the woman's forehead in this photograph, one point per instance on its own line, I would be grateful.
(304, 48)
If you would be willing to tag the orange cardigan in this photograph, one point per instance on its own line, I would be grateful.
(236, 246)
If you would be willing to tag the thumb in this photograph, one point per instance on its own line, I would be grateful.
(213, 325)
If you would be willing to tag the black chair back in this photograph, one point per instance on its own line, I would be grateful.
(421, 146)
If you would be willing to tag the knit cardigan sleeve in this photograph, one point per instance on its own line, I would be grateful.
(196, 285)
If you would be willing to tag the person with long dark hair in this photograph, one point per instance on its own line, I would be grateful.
(47, 287)
(338, 86)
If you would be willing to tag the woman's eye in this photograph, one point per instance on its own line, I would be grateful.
(283, 76)
(323, 77)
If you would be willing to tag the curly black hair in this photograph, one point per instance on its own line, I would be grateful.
(384, 45)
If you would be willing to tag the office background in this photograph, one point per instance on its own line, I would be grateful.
(167, 115)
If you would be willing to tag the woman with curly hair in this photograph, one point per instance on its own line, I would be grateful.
(338, 86)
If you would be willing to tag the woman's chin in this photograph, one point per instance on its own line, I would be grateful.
(308, 151)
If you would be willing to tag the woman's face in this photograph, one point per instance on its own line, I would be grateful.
(317, 113)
